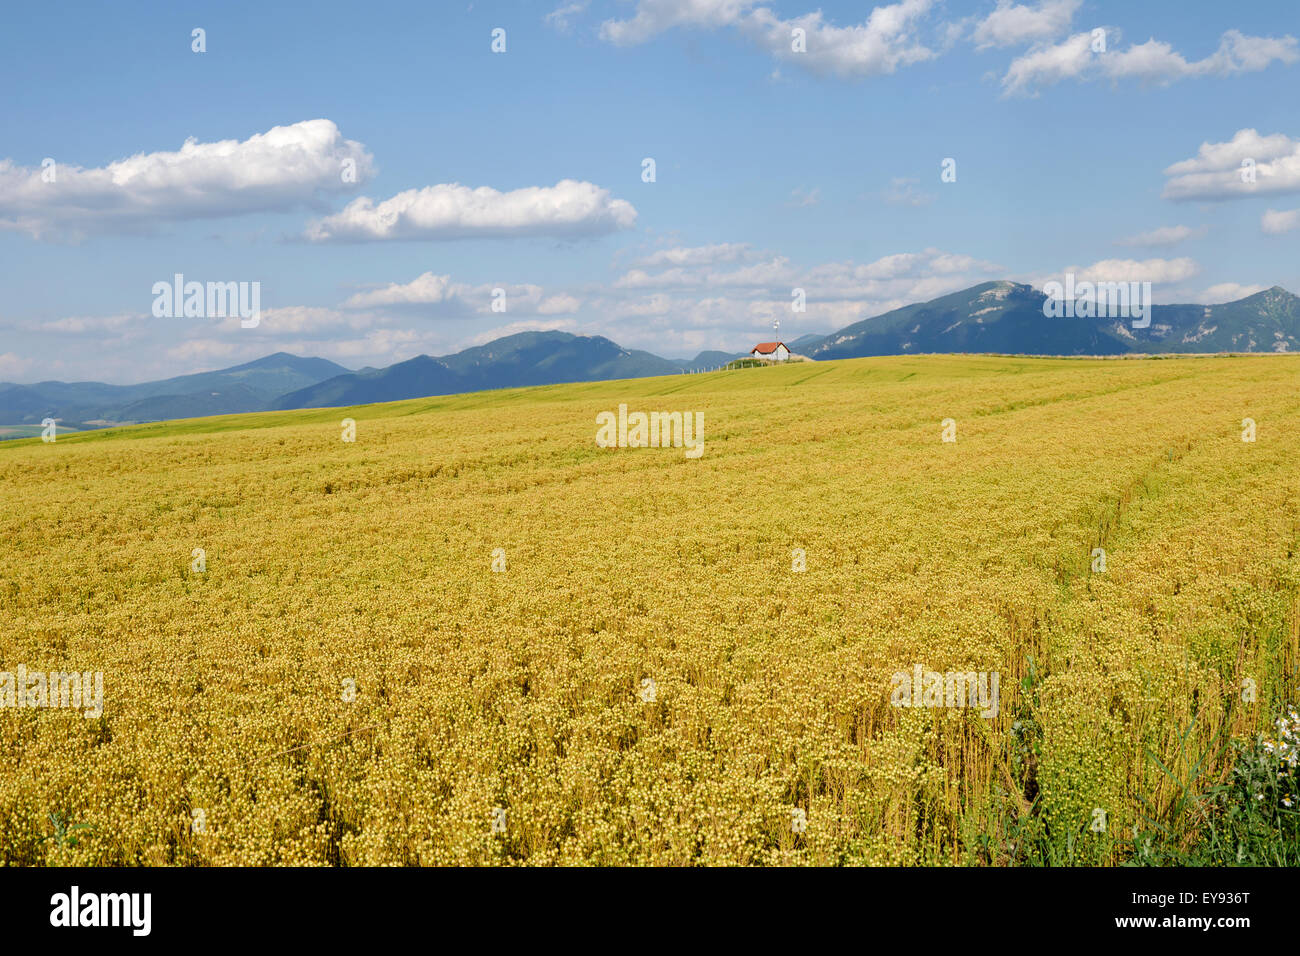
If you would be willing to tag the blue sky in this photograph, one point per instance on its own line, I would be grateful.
(522, 170)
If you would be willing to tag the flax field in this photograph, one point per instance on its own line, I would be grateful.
(473, 636)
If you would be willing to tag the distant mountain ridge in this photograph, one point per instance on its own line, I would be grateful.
(1008, 317)
(289, 381)
(526, 358)
(249, 387)
(1002, 317)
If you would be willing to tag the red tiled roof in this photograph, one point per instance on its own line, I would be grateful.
(766, 348)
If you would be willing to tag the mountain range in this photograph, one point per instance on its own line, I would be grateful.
(526, 358)
(1007, 317)
(290, 381)
(998, 317)
(244, 388)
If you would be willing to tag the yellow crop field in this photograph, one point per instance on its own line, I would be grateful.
(473, 635)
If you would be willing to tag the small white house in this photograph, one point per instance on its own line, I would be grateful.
(771, 351)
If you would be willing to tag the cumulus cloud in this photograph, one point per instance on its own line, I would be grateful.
(641, 279)
(303, 319)
(880, 44)
(711, 304)
(437, 296)
(1151, 62)
(424, 290)
(375, 346)
(1069, 59)
(1277, 221)
(1163, 236)
(909, 266)
(805, 197)
(1247, 165)
(132, 348)
(906, 192)
(1133, 270)
(1227, 292)
(373, 327)
(653, 17)
(85, 324)
(891, 37)
(204, 351)
(13, 366)
(561, 304)
(560, 16)
(698, 255)
(569, 209)
(527, 325)
(284, 168)
(1013, 24)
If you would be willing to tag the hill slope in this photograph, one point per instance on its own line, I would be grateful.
(248, 387)
(1008, 318)
(1001, 317)
(672, 654)
(1268, 321)
(528, 358)
(993, 317)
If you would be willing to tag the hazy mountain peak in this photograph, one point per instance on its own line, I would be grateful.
(1007, 317)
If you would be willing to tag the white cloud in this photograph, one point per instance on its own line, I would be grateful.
(373, 326)
(13, 366)
(904, 192)
(1012, 24)
(562, 304)
(146, 348)
(1216, 172)
(653, 17)
(1277, 221)
(203, 351)
(698, 255)
(318, 320)
(775, 271)
(700, 305)
(425, 289)
(379, 347)
(279, 170)
(1227, 292)
(1150, 62)
(656, 304)
(883, 42)
(1246, 143)
(528, 325)
(1163, 236)
(1069, 59)
(569, 209)
(640, 279)
(1239, 53)
(1133, 270)
(437, 296)
(908, 267)
(802, 197)
(560, 16)
(83, 324)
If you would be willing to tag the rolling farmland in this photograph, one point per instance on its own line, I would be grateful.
(473, 636)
